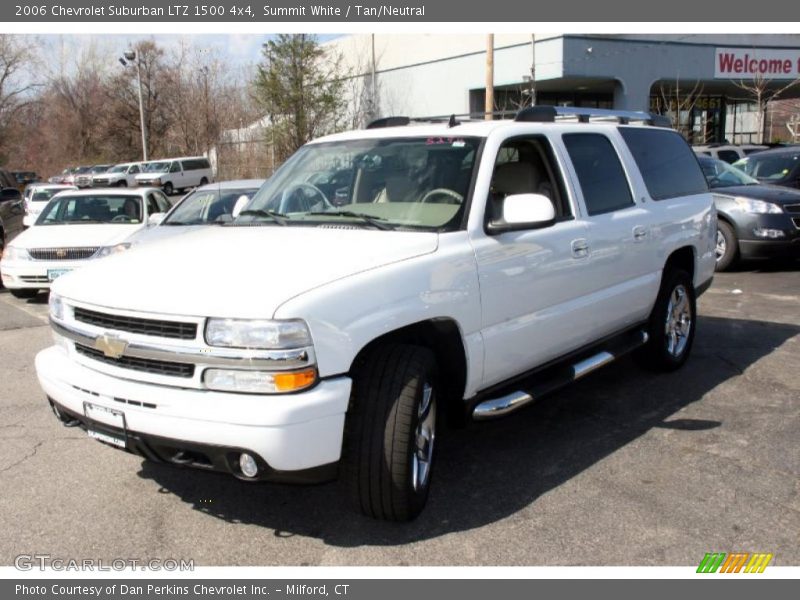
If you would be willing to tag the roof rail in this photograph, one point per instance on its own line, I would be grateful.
(550, 114)
(452, 120)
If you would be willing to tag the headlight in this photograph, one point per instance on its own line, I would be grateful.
(109, 250)
(156, 181)
(14, 253)
(757, 207)
(258, 333)
(259, 382)
(56, 307)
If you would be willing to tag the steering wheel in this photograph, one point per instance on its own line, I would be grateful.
(286, 196)
(452, 196)
(120, 219)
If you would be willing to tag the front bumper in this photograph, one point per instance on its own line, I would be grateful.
(33, 274)
(761, 249)
(753, 247)
(294, 437)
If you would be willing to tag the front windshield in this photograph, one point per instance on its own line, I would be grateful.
(82, 170)
(100, 169)
(157, 167)
(720, 174)
(118, 169)
(207, 206)
(96, 208)
(769, 167)
(394, 183)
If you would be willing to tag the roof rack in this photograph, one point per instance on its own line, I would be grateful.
(534, 114)
(551, 114)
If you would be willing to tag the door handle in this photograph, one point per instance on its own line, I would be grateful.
(580, 248)
(639, 233)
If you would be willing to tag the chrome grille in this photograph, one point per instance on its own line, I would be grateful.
(792, 208)
(100, 181)
(62, 253)
(34, 278)
(158, 367)
(155, 327)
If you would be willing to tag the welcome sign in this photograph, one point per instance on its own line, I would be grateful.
(749, 63)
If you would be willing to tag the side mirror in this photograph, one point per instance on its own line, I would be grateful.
(524, 211)
(9, 194)
(241, 202)
(155, 219)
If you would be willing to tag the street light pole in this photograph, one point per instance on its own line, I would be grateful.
(130, 56)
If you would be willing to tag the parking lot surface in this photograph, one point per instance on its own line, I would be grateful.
(623, 468)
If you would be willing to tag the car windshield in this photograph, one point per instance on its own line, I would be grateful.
(82, 170)
(720, 174)
(44, 194)
(394, 183)
(118, 169)
(769, 167)
(95, 208)
(157, 167)
(207, 206)
(100, 169)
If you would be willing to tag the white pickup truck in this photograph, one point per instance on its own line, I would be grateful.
(381, 282)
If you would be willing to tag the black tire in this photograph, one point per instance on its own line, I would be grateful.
(727, 247)
(122, 183)
(24, 294)
(665, 352)
(204, 181)
(168, 189)
(384, 422)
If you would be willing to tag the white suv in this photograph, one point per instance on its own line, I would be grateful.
(121, 175)
(382, 281)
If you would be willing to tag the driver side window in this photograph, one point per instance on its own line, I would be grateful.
(175, 167)
(526, 165)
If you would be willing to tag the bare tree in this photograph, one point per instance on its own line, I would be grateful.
(16, 84)
(761, 90)
(677, 103)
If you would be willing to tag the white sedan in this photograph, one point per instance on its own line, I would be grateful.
(74, 227)
(37, 195)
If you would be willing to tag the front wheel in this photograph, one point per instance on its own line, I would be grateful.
(168, 189)
(672, 323)
(122, 183)
(727, 247)
(391, 431)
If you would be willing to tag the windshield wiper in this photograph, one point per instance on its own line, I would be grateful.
(277, 217)
(374, 221)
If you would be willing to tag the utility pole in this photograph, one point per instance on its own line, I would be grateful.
(489, 105)
(130, 56)
(533, 69)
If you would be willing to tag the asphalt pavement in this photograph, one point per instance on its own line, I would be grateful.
(623, 468)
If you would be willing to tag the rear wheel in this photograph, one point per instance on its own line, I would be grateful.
(204, 181)
(727, 247)
(168, 189)
(24, 294)
(390, 432)
(672, 323)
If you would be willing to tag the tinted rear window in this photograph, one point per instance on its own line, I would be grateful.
(668, 165)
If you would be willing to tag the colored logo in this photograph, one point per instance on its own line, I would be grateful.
(734, 562)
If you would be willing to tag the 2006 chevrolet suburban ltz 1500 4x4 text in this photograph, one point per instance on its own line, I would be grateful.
(383, 281)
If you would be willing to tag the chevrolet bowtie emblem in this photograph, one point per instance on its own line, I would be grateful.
(111, 346)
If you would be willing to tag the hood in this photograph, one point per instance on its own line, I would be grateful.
(162, 232)
(73, 235)
(769, 193)
(244, 272)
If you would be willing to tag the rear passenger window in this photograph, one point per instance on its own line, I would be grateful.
(668, 165)
(600, 173)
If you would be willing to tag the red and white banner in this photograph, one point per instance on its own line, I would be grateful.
(763, 63)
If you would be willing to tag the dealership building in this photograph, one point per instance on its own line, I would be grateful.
(712, 81)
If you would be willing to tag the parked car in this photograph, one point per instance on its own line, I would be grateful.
(62, 177)
(12, 213)
(779, 166)
(7, 179)
(84, 180)
(24, 178)
(77, 172)
(121, 175)
(470, 269)
(207, 205)
(37, 196)
(755, 220)
(73, 228)
(177, 174)
(729, 153)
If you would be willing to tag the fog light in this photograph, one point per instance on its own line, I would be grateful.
(248, 465)
(772, 234)
(259, 382)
